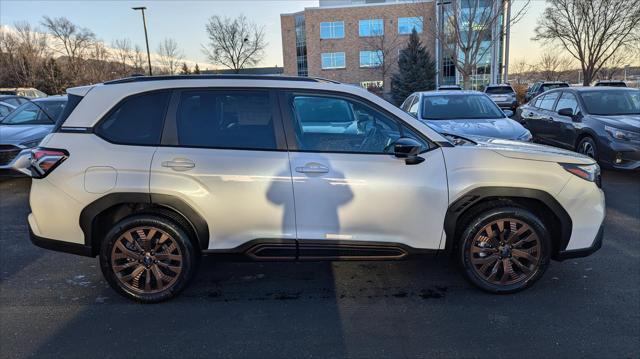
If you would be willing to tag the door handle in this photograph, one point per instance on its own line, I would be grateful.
(313, 168)
(179, 164)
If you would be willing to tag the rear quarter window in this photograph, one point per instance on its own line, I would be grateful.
(137, 120)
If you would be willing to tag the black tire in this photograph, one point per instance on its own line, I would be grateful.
(475, 230)
(587, 146)
(167, 271)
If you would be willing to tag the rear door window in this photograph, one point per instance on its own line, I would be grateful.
(548, 100)
(226, 119)
(137, 120)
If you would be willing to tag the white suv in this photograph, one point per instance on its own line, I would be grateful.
(150, 173)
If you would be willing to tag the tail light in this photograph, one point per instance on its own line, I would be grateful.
(45, 160)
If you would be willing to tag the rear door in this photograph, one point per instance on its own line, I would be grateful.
(223, 152)
(564, 130)
(348, 186)
(544, 119)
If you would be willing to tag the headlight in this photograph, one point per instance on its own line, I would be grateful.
(526, 136)
(589, 173)
(31, 143)
(624, 135)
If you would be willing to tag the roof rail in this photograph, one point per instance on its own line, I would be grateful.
(217, 77)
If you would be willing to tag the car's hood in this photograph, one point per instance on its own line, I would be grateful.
(531, 151)
(625, 122)
(498, 128)
(17, 134)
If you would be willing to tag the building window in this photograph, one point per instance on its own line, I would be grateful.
(371, 58)
(407, 24)
(371, 27)
(333, 60)
(301, 46)
(332, 30)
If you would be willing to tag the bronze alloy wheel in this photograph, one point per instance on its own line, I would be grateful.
(146, 260)
(505, 251)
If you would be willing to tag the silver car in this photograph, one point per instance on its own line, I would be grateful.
(23, 129)
(503, 95)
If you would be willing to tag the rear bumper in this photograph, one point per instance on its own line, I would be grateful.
(583, 252)
(59, 246)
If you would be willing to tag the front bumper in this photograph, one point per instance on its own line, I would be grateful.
(621, 155)
(583, 252)
(18, 166)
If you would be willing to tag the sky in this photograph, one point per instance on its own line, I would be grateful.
(185, 22)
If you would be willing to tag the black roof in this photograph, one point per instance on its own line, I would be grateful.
(217, 77)
(276, 70)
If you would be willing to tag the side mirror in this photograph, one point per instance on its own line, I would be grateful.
(565, 112)
(409, 149)
(508, 113)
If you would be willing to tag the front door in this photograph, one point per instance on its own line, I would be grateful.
(224, 154)
(349, 187)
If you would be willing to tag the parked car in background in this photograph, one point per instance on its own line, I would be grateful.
(150, 173)
(542, 86)
(449, 87)
(465, 113)
(503, 95)
(23, 129)
(14, 100)
(29, 92)
(611, 83)
(600, 122)
(8, 103)
(5, 109)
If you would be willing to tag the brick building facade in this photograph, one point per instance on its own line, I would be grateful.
(348, 43)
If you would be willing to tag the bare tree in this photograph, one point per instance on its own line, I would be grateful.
(71, 41)
(591, 31)
(519, 70)
(385, 47)
(137, 60)
(234, 43)
(122, 53)
(23, 53)
(551, 66)
(615, 64)
(470, 31)
(170, 55)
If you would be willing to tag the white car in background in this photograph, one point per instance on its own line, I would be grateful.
(150, 173)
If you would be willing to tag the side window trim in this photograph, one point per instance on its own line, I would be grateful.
(289, 122)
(170, 132)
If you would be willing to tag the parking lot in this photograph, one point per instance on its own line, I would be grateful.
(54, 304)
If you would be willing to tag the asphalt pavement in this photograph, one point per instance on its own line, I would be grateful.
(57, 305)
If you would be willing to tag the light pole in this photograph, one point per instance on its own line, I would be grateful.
(146, 38)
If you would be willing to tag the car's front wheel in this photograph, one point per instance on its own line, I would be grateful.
(148, 258)
(587, 146)
(504, 249)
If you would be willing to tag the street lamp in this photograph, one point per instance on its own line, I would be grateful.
(146, 38)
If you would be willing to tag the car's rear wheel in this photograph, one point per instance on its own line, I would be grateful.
(148, 258)
(504, 249)
(587, 146)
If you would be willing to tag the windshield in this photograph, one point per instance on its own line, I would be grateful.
(32, 113)
(616, 102)
(449, 107)
(499, 90)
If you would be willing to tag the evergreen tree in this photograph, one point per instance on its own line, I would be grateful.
(416, 70)
(196, 70)
(185, 69)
